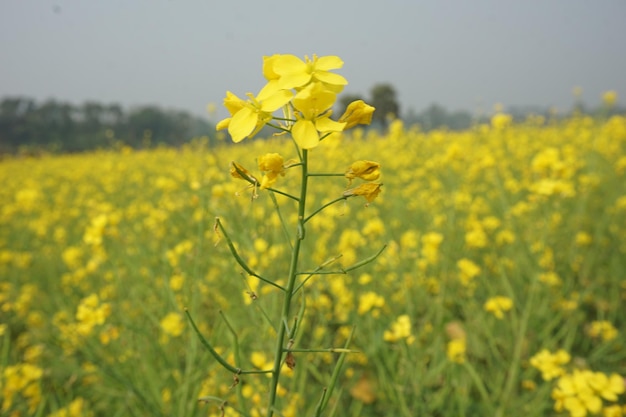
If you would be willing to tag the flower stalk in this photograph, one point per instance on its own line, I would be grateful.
(306, 91)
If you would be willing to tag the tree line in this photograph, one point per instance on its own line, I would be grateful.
(63, 127)
(384, 98)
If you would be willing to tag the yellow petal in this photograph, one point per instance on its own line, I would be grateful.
(233, 103)
(330, 78)
(268, 90)
(276, 101)
(289, 64)
(305, 134)
(242, 124)
(330, 62)
(223, 124)
(326, 124)
(294, 80)
(268, 67)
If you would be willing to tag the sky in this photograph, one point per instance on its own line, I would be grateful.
(184, 54)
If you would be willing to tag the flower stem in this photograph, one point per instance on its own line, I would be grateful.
(289, 290)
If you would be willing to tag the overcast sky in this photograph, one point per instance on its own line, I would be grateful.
(185, 54)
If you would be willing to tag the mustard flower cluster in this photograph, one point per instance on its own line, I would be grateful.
(400, 330)
(579, 392)
(306, 90)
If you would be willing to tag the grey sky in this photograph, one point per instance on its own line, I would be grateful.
(187, 53)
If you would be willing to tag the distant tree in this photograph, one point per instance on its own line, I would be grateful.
(434, 117)
(383, 97)
(459, 120)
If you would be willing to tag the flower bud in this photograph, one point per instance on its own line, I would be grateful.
(357, 113)
(366, 170)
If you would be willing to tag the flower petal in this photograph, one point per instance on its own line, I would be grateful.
(305, 134)
(223, 124)
(242, 124)
(326, 124)
(233, 103)
(288, 64)
(276, 101)
(330, 78)
(325, 63)
(294, 80)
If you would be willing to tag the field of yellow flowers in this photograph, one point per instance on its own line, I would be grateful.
(501, 291)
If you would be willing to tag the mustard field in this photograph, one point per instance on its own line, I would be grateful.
(500, 289)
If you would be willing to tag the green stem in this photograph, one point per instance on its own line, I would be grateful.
(330, 203)
(478, 383)
(239, 259)
(216, 355)
(293, 268)
(518, 350)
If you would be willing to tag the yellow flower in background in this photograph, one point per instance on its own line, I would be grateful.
(550, 364)
(498, 305)
(607, 386)
(313, 105)
(581, 392)
(468, 270)
(400, 329)
(430, 246)
(75, 409)
(456, 349)
(172, 324)
(609, 98)
(91, 313)
(293, 72)
(583, 239)
(602, 329)
(370, 302)
(24, 379)
(366, 170)
(501, 121)
(357, 113)
(573, 394)
(260, 361)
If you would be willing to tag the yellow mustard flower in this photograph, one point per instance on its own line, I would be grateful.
(357, 113)
(607, 386)
(295, 73)
(371, 302)
(574, 394)
(400, 329)
(468, 271)
(248, 117)
(172, 324)
(455, 350)
(550, 364)
(602, 329)
(273, 166)
(501, 121)
(369, 190)
(313, 104)
(366, 170)
(614, 410)
(609, 98)
(239, 172)
(498, 305)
